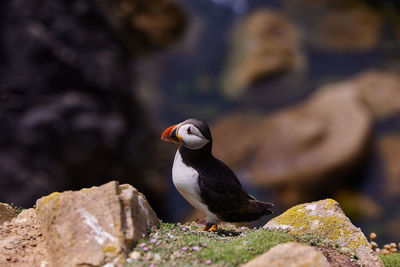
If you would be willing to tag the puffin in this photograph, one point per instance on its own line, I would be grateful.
(207, 183)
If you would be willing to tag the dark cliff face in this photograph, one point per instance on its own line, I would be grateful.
(68, 114)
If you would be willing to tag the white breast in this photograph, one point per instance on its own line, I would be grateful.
(185, 179)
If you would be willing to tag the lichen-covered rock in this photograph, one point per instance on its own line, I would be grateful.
(93, 226)
(6, 212)
(325, 219)
(264, 44)
(290, 254)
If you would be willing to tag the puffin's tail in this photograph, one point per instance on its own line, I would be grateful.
(252, 211)
(259, 207)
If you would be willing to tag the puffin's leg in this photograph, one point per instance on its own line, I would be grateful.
(214, 227)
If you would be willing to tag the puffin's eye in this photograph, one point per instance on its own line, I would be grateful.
(189, 131)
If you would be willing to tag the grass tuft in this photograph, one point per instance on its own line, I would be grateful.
(391, 260)
(185, 245)
(17, 209)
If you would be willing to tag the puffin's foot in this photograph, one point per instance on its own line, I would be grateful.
(210, 227)
(206, 227)
(213, 228)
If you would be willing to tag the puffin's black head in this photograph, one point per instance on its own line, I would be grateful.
(192, 133)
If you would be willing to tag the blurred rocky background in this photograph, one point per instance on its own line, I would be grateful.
(303, 98)
(69, 114)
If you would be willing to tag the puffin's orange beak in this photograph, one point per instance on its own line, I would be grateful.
(170, 135)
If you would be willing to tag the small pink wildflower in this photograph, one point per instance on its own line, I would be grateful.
(184, 248)
(159, 242)
(153, 240)
(142, 245)
(152, 265)
(195, 248)
(145, 248)
(208, 262)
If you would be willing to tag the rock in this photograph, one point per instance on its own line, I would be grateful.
(389, 148)
(137, 214)
(309, 141)
(22, 243)
(146, 25)
(290, 254)
(337, 259)
(94, 226)
(68, 107)
(264, 44)
(299, 145)
(326, 220)
(325, 23)
(225, 132)
(379, 90)
(6, 212)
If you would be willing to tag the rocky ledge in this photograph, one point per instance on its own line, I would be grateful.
(90, 227)
(113, 225)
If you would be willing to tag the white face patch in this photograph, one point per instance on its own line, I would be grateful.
(192, 137)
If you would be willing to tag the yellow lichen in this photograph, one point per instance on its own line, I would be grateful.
(111, 249)
(330, 227)
(330, 203)
(50, 198)
(88, 189)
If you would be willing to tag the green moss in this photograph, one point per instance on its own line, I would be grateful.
(301, 222)
(392, 260)
(17, 209)
(181, 245)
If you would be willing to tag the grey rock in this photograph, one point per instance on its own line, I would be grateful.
(6, 212)
(94, 226)
(290, 254)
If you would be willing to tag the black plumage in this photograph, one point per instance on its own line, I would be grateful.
(220, 189)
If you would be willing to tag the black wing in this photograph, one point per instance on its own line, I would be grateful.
(222, 192)
(220, 188)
